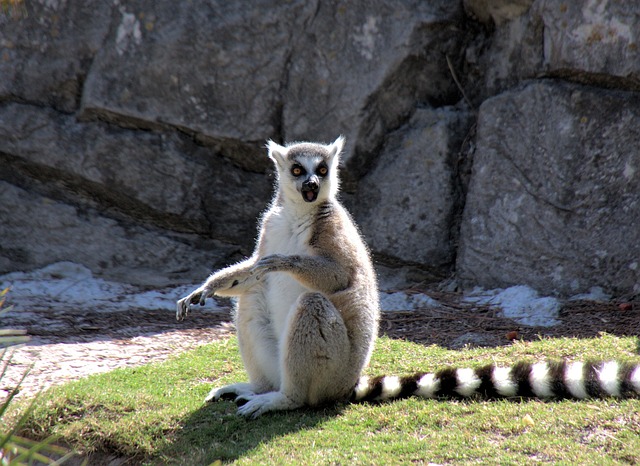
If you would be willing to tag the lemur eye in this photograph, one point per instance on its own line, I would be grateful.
(322, 170)
(297, 170)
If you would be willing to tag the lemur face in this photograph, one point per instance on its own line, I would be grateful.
(307, 172)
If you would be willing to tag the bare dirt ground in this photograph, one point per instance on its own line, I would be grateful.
(68, 344)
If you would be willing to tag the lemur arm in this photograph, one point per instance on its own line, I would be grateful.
(318, 273)
(230, 281)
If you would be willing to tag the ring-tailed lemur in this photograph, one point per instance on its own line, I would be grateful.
(307, 310)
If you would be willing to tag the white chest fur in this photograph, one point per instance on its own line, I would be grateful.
(287, 236)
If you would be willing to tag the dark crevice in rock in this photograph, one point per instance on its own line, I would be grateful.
(246, 155)
(84, 194)
(606, 81)
(422, 79)
(120, 120)
(461, 177)
(420, 272)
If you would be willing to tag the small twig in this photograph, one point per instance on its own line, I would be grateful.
(607, 434)
(455, 78)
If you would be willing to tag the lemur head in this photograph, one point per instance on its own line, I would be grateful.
(307, 172)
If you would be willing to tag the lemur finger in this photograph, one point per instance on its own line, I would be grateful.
(263, 267)
(180, 310)
(267, 262)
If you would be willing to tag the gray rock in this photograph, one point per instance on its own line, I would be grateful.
(587, 42)
(496, 12)
(359, 70)
(554, 200)
(401, 301)
(406, 204)
(214, 69)
(141, 124)
(162, 179)
(595, 38)
(511, 53)
(520, 303)
(37, 230)
(46, 50)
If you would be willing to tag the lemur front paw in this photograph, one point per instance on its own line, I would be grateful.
(272, 263)
(198, 296)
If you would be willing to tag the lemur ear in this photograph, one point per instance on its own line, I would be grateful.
(336, 147)
(277, 153)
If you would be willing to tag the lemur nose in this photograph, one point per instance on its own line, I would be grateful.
(311, 183)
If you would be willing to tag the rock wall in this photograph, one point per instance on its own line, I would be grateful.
(554, 197)
(132, 133)
(554, 200)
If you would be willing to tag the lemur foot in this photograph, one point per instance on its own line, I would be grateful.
(256, 405)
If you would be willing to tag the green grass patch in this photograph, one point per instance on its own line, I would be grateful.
(155, 415)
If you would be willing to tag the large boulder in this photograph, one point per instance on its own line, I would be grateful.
(588, 42)
(159, 178)
(592, 40)
(47, 48)
(406, 205)
(235, 76)
(214, 70)
(153, 115)
(232, 76)
(554, 200)
(93, 193)
(37, 230)
(360, 70)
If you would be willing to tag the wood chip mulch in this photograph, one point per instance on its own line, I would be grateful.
(457, 324)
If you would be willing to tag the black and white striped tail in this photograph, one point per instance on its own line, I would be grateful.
(540, 380)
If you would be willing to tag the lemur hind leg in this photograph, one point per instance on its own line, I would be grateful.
(312, 357)
(259, 350)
